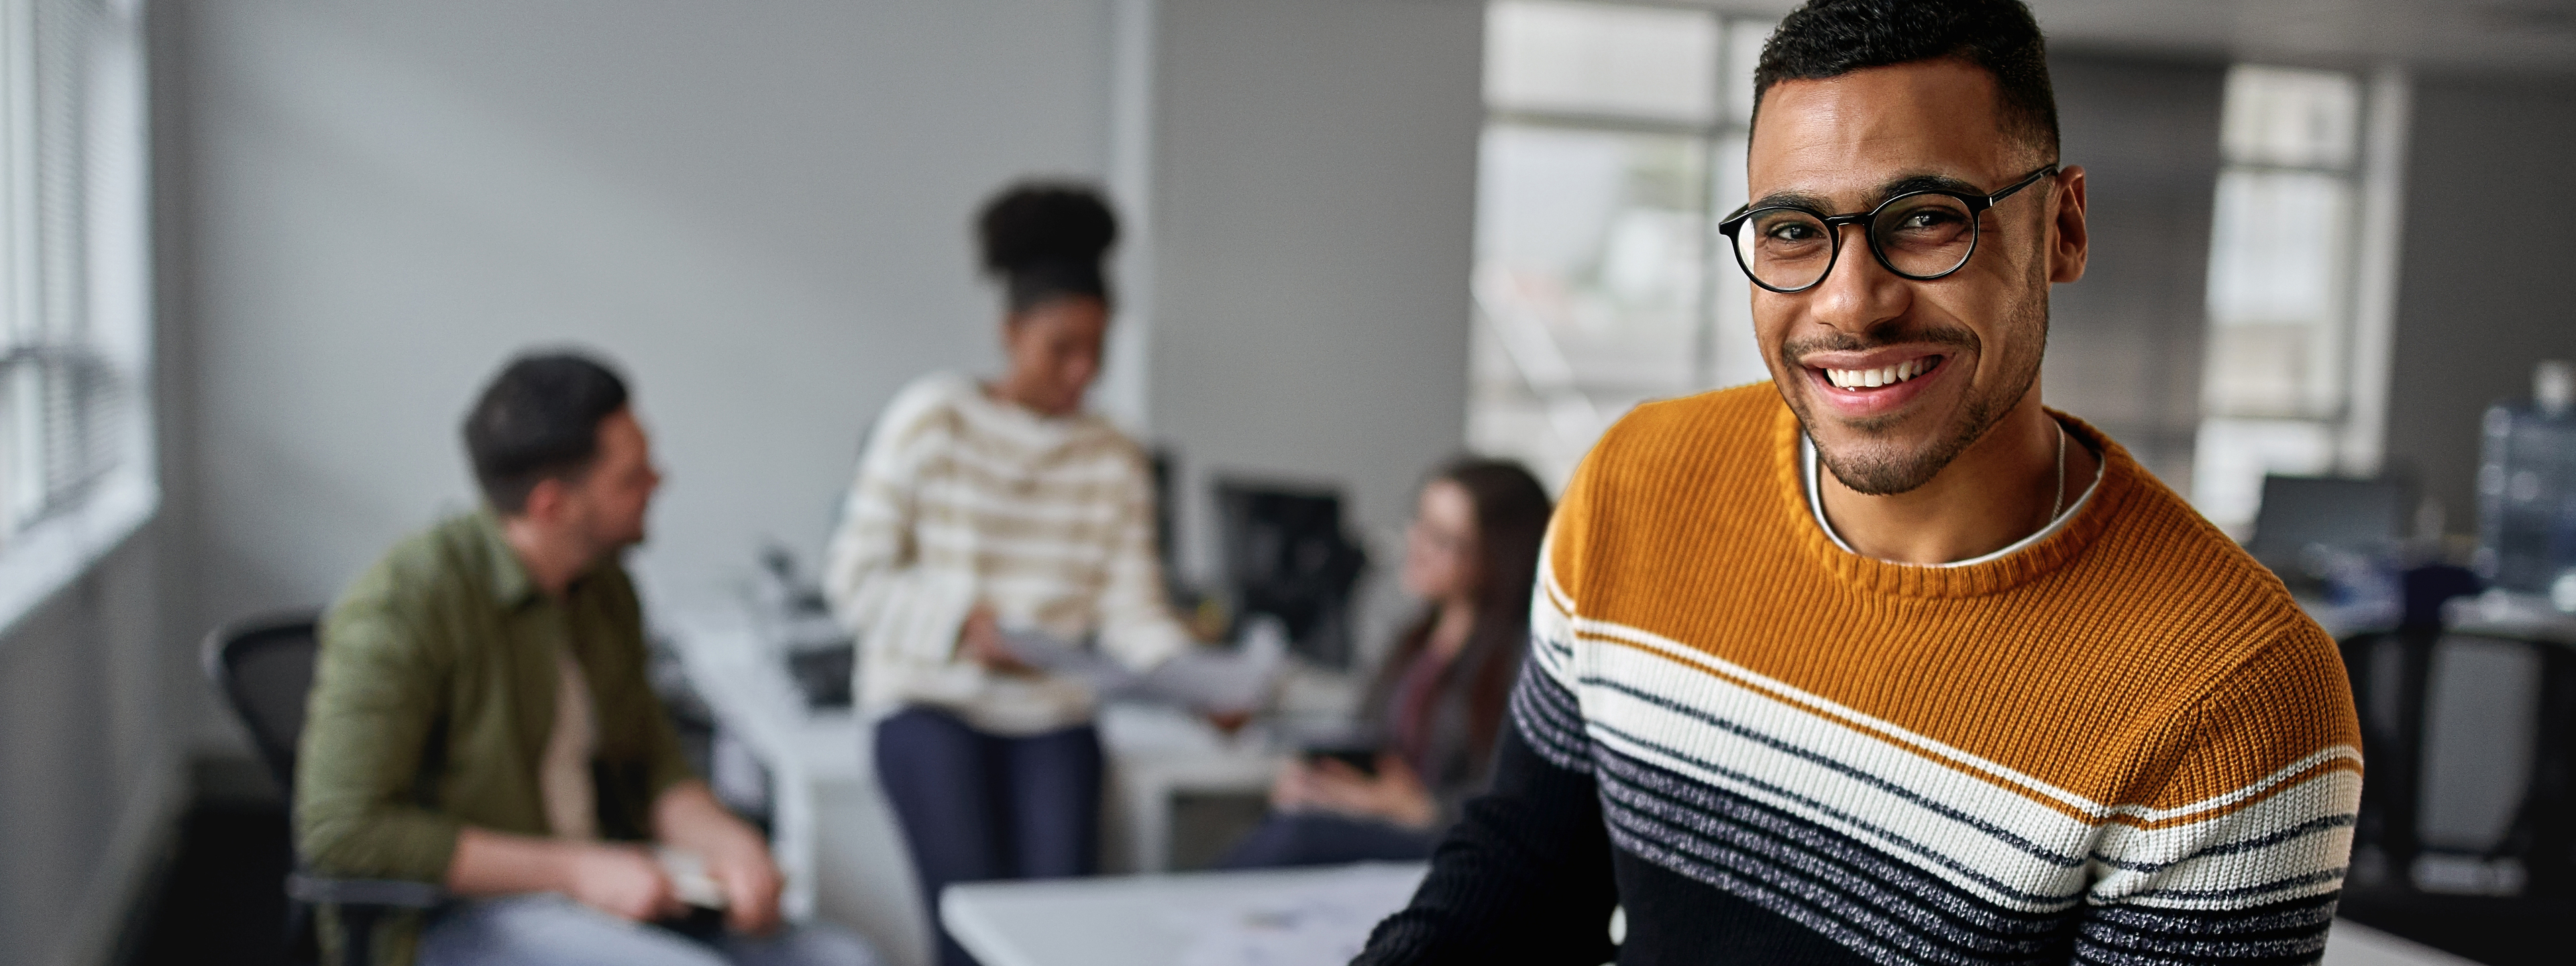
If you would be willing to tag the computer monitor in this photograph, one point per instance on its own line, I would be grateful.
(1286, 555)
(2336, 513)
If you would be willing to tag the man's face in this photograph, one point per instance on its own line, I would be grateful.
(1953, 354)
(605, 504)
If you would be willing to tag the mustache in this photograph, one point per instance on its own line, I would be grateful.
(1840, 341)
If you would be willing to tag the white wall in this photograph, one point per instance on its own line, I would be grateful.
(759, 210)
(1316, 202)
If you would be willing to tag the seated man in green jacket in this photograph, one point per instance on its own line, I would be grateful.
(480, 717)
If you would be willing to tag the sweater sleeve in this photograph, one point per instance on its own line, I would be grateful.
(2243, 859)
(902, 612)
(1525, 875)
(1136, 623)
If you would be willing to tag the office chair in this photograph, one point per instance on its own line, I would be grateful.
(2392, 675)
(263, 666)
(1287, 556)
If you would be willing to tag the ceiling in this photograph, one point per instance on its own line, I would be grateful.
(2468, 36)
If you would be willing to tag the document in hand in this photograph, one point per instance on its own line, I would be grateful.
(689, 878)
(1234, 680)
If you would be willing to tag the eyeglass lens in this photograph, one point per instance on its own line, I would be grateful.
(1920, 236)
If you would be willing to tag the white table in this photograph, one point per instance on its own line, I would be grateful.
(1156, 753)
(1299, 917)
(1274, 918)
(831, 829)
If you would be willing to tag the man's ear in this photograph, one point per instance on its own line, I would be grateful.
(545, 500)
(2069, 242)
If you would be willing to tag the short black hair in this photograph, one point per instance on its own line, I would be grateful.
(1044, 240)
(539, 420)
(1830, 38)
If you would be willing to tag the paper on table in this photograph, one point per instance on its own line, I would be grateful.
(1322, 922)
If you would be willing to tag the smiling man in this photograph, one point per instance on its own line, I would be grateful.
(1885, 661)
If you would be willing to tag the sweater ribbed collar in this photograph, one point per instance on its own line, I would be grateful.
(1029, 428)
(2081, 527)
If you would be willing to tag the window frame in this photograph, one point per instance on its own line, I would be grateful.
(77, 321)
(1557, 388)
(2315, 432)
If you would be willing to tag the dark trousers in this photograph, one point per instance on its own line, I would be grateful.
(1318, 838)
(977, 806)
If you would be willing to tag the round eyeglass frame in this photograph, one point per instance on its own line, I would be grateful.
(1976, 205)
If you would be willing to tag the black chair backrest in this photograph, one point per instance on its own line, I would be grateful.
(2471, 739)
(264, 666)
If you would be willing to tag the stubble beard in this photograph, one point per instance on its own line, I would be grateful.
(1882, 464)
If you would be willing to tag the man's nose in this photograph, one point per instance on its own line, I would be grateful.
(1859, 294)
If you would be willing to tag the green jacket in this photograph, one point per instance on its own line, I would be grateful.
(433, 698)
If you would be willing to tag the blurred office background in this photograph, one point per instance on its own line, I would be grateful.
(259, 253)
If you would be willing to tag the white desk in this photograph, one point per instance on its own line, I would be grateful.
(1158, 752)
(1278, 918)
(832, 831)
(1300, 917)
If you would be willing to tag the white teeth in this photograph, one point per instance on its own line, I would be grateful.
(1874, 378)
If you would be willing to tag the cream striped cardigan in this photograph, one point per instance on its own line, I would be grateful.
(962, 499)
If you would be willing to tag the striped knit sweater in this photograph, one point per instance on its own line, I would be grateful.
(962, 500)
(2121, 744)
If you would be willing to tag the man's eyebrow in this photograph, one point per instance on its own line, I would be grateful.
(1925, 182)
(1793, 199)
(1890, 189)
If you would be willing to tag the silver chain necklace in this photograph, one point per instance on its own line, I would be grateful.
(2059, 506)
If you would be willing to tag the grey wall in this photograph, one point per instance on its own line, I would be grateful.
(1316, 199)
(2125, 343)
(2480, 295)
(88, 771)
(759, 210)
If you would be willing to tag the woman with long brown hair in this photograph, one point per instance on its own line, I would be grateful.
(1436, 705)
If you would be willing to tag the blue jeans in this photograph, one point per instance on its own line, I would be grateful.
(977, 806)
(546, 929)
(1321, 838)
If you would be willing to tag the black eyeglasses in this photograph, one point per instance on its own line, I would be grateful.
(1921, 235)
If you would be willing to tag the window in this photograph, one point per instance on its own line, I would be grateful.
(1614, 135)
(2279, 390)
(75, 448)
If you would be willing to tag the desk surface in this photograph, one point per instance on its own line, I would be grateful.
(1293, 917)
(1274, 918)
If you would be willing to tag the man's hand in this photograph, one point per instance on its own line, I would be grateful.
(623, 881)
(688, 817)
(751, 885)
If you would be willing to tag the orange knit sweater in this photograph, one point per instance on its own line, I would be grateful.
(2123, 743)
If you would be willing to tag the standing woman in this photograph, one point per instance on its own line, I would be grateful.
(985, 506)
